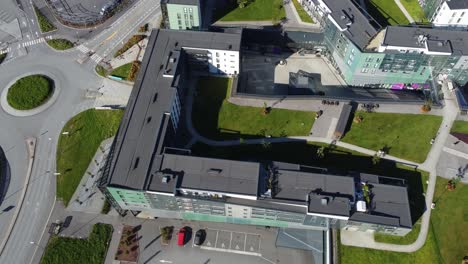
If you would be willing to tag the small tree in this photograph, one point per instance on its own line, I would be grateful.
(266, 144)
(321, 152)
(243, 3)
(375, 159)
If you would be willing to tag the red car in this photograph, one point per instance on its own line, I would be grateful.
(181, 237)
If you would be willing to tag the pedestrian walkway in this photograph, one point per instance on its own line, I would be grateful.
(404, 11)
(136, 52)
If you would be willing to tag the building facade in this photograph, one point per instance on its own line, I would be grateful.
(366, 55)
(147, 173)
(182, 14)
(446, 13)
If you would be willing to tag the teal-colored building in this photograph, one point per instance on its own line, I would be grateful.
(397, 57)
(182, 14)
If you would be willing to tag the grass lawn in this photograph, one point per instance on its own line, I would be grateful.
(447, 239)
(386, 12)
(415, 10)
(216, 118)
(75, 151)
(460, 127)
(427, 254)
(258, 10)
(72, 250)
(450, 221)
(405, 136)
(101, 71)
(44, 23)
(302, 13)
(60, 44)
(30, 92)
(122, 71)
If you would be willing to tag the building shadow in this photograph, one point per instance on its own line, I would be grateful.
(5, 175)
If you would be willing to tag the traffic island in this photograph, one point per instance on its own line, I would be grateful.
(29, 94)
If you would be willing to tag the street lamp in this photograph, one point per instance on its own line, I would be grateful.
(36, 244)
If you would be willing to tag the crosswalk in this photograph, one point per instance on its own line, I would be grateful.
(5, 51)
(26, 44)
(35, 41)
(95, 57)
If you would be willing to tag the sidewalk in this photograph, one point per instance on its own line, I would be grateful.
(404, 11)
(130, 55)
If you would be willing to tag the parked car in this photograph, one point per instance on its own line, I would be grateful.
(199, 237)
(67, 221)
(181, 237)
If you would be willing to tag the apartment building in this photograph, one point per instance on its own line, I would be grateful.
(396, 57)
(446, 13)
(147, 173)
(182, 14)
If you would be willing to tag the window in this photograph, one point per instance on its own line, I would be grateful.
(458, 21)
(365, 70)
(454, 14)
(190, 10)
(462, 14)
(185, 10)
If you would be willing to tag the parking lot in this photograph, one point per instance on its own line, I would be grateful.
(230, 241)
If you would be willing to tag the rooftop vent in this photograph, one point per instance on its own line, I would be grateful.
(230, 46)
(172, 60)
(165, 179)
(176, 44)
(214, 171)
(324, 201)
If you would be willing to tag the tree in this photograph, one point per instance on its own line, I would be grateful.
(321, 152)
(243, 3)
(266, 144)
(375, 159)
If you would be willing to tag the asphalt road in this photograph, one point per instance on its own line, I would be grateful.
(74, 80)
(46, 127)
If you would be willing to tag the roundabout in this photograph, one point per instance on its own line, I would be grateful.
(30, 94)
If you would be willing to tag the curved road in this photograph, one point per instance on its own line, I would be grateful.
(45, 127)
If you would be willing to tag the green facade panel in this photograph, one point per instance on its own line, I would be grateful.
(183, 17)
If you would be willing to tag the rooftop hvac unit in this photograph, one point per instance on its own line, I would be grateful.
(361, 206)
(324, 201)
(165, 179)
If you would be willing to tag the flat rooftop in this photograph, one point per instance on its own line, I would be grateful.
(359, 28)
(457, 4)
(214, 175)
(311, 188)
(142, 132)
(438, 40)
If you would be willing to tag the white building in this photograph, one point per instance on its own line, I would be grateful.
(451, 13)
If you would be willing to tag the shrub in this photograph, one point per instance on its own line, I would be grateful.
(44, 23)
(132, 41)
(60, 44)
(134, 71)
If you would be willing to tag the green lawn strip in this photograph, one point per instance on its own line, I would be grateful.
(72, 250)
(75, 151)
(406, 136)
(216, 118)
(386, 12)
(258, 10)
(44, 23)
(400, 240)
(2, 57)
(302, 13)
(450, 221)
(29, 92)
(106, 207)
(355, 255)
(60, 44)
(460, 127)
(101, 71)
(415, 10)
(122, 71)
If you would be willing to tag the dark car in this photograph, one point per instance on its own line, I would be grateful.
(199, 237)
(67, 221)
